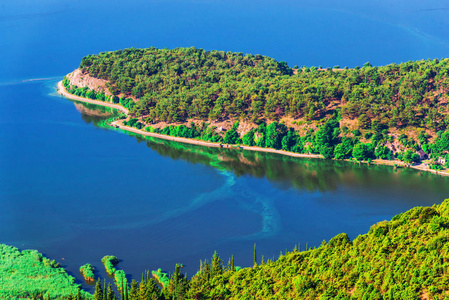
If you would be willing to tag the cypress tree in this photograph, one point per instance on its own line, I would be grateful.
(105, 292)
(201, 266)
(126, 290)
(122, 294)
(255, 255)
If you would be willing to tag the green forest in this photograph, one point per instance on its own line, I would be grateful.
(405, 258)
(398, 111)
(175, 85)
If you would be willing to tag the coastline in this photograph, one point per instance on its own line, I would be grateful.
(63, 92)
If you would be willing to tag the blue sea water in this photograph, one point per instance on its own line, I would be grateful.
(77, 192)
(49, 37)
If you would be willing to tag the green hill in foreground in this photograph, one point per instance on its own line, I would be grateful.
(405, 258)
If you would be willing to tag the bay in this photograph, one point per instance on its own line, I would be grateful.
(77, 192)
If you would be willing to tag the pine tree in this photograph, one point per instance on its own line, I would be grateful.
(143, 288)
(111, 293)
(98, 295)
(217, 266)
(178, 284)
(134, 291)
(148, 289)
(206, 273)
(152, 289)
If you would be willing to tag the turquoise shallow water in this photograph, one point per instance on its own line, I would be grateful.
(77, 192)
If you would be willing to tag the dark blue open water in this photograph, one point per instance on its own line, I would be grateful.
(75, 191)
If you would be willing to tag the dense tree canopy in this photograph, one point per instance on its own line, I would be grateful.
(208, 86)
(174, 85)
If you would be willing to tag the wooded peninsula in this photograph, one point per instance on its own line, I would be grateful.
(395, 113)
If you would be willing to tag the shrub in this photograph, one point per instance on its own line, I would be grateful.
(87, 271)
(110, 262)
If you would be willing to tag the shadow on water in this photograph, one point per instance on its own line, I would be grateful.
(285, 172)
(304, 174)
(95, 114)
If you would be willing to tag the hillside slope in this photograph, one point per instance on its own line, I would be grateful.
(405, 258)
(189, 83)
(396, 112)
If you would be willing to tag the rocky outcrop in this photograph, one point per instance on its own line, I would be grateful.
(81, 79)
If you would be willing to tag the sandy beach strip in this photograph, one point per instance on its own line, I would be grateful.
(63, 91)
(210, 144)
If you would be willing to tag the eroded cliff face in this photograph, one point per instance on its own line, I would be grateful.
(81, 79)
